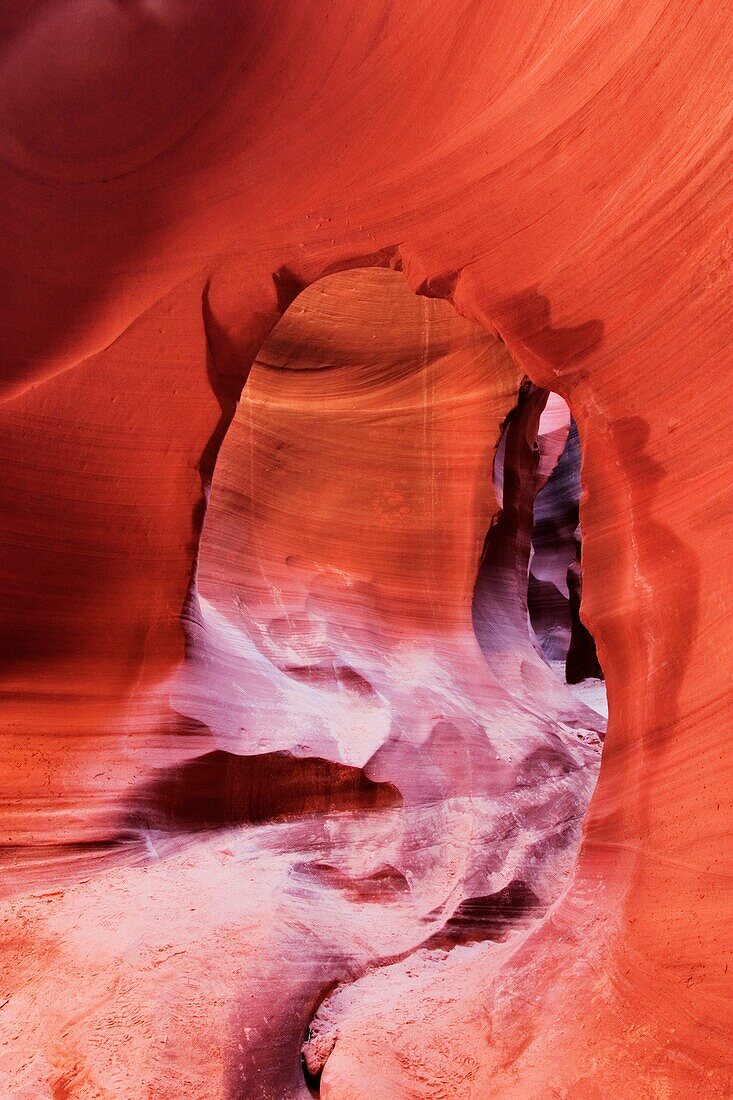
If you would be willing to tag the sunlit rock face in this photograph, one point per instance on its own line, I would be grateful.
(292, 801)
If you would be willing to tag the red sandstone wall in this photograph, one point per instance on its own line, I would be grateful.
(558, 171)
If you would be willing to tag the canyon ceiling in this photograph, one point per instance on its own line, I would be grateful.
(365, 423)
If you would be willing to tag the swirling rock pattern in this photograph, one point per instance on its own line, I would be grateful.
(221, 822)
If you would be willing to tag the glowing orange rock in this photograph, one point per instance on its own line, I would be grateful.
(173, 174)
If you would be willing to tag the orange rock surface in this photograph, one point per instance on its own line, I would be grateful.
(267, 782)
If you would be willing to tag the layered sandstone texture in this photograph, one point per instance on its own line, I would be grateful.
(364, 375)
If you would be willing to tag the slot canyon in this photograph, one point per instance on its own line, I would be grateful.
(365, 573)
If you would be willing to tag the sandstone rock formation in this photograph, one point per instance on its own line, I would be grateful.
(291, 800)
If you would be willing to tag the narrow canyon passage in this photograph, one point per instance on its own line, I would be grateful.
(362, 420)
(361, 652)
(369, 758)
(530, 569)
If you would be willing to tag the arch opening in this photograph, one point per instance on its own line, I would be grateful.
(364, 619)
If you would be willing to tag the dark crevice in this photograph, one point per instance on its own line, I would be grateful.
(500, 593)
(312, 1076)
(220, 789)
(554, 606)
(582, 661)
(489, 917)
(530, 573)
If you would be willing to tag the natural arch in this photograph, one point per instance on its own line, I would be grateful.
(548, 168)
(332, 618)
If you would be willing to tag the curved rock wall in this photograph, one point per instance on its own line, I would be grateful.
(173, 174)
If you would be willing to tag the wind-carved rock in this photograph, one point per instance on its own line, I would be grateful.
(285, 768)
